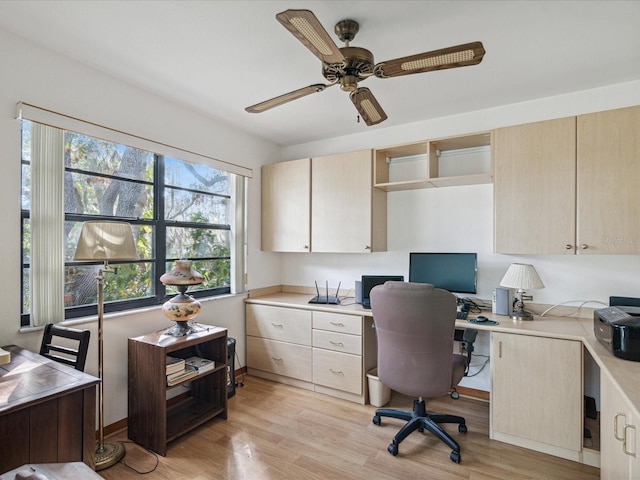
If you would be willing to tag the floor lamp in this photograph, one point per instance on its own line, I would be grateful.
(107, 241)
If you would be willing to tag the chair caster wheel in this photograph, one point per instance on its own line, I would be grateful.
(393, 449)
(462, 428)
(455, 457)
(455, 395)
(376, 420)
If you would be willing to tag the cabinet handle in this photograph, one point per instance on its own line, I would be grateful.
(615, 425)
(499, 349)
(306, 247)
(568, 246)
(336, 372)
(584, 246)
(337, 324)
(337, 344)
(277, 325)
(367, 247)
(624, 443)
(277, 359)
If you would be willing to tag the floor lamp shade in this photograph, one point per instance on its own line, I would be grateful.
(105, 241)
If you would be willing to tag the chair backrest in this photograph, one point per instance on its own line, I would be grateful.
(415, 325)
(72, 351)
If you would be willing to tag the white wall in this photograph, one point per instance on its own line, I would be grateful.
(38, 76)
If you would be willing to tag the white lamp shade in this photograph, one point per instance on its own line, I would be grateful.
(522, 276)
(182, 274)
(106, 241)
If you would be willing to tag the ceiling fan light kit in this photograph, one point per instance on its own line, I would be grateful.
(349, 65)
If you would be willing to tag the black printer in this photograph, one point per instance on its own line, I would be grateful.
(618, 327)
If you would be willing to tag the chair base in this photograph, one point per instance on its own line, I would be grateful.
(419, 419)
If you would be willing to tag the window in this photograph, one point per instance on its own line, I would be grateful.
(177, 210)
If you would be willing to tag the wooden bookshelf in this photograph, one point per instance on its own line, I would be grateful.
(153, 422)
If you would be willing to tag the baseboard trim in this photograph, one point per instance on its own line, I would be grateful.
(474, 393)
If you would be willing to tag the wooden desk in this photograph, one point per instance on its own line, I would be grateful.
(547, 354)
(47, 412)
(56, 471)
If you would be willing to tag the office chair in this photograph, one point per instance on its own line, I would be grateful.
(415, 326)
(73, 353)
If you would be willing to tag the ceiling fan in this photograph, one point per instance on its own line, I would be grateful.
(349, 65)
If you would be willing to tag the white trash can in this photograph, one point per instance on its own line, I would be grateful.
(379, 394)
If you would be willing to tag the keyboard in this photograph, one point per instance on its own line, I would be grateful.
(462, 315)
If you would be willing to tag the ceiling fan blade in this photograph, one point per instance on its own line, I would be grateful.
(452, 57)
(306, 28)
(287, 97)
(369, 108)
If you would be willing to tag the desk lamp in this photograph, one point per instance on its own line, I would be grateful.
(105, 241)
(182, 307)
(521, 276)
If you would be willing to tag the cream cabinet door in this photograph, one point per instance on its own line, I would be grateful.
(347, 213)
(619, 455)
(608, 172)
(534, 187)
(537, 393)
(286, 206)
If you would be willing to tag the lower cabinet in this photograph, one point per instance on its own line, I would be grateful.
(326, 352)
(619, 423)
(537, 393)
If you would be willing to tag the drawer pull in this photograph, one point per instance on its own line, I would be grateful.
(277, 325)
(337, 344)
(337, 324)
(624, 443)
(615, 426)
(277, 359)
(336, 372)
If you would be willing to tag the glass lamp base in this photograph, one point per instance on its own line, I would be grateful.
(180, 329)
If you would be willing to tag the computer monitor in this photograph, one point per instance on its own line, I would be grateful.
(370, 281)
(456, 272)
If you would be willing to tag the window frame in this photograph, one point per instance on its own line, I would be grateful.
(158, 223)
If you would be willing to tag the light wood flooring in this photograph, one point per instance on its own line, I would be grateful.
(279, 432)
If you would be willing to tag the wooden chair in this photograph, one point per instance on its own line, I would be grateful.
(74, 355)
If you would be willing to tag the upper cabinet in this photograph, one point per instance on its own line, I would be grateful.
(534, 187)
(568, 185)
(608, 172)
(324, 204)
(347, 213)
(286, 206)
(446, 162)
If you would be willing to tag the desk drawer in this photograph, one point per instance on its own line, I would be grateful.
(285, 324)
(338, 322)
(281, 358)
(341, 371)
(339, 342)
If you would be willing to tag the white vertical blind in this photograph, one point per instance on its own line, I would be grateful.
(47, 225)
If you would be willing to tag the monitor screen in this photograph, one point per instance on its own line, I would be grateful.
(455, 272)
(370, 281)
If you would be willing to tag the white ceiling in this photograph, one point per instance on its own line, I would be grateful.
(219, 57)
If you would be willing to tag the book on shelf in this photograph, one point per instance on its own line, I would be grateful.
(201, 365)
(182, 376)
(174, 364)
(5, 357)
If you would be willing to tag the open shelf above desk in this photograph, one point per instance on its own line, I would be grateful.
(446, 162)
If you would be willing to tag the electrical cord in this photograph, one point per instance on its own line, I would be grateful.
(140, 472)
(582, 304)
(484, 364)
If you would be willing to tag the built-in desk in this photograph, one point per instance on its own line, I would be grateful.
(547, 355)
(47, 412)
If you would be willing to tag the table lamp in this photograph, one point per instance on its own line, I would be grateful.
(101, 240)
(182, 307)
(521, 276)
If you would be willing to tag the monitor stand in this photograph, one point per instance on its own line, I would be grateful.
(326, 299)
